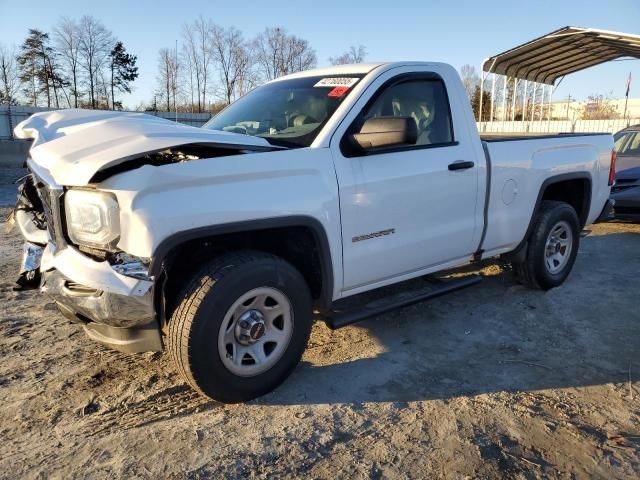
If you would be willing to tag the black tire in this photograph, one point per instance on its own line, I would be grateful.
(195, 324)
(533, 271)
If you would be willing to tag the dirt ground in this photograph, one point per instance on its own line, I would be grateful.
(495, 381)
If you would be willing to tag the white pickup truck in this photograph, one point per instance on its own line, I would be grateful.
(219, 243)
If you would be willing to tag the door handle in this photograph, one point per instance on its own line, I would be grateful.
(461, 165)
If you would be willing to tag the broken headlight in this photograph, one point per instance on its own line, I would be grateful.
(93, 218)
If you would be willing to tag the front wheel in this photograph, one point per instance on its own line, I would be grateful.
(552, 247)
(241, 326)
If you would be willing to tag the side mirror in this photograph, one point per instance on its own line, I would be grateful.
(386, 132)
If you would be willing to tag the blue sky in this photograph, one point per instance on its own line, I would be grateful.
(456, 32)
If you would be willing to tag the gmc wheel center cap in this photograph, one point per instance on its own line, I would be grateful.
(257, 330)
(250, 327)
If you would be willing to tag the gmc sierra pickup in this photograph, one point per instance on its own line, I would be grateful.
(221, 244)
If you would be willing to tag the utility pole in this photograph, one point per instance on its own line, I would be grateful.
(568, 102)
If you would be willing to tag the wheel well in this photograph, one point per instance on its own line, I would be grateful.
(576, 192)
(296, 244)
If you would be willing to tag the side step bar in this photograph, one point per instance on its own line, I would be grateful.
(337, 320)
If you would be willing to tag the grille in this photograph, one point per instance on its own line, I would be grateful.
(51, 203)
(43, 191)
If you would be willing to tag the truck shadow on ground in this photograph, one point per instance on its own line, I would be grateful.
(497, 336)
(494, 337)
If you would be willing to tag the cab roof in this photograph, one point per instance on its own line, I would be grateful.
(350, 69)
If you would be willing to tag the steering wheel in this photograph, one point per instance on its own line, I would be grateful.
(298, 120)
(236, 129)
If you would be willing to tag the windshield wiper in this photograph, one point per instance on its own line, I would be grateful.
(281, 143)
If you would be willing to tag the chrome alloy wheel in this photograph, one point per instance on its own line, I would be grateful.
(255, 332)
(558, 247)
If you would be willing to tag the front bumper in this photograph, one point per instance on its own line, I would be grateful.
(126, 323)
(627, 202)
(96, 305)
(116, 310)
(607, 211)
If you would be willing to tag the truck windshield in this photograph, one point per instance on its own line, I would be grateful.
(288, 113)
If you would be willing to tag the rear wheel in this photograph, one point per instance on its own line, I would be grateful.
(551, 248)
(241, 326)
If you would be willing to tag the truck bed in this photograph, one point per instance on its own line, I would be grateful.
(519, 169)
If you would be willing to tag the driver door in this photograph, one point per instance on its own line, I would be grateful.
(404, 209)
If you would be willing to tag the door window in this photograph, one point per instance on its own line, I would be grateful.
(619, 140)
(628, 144)
(632, 146)
(423, 100)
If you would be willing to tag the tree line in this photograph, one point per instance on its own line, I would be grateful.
(79, 64)
(217, 64)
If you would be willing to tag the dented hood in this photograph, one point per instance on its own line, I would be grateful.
(75, 144)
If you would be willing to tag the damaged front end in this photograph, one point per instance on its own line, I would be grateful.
(109, 293)
(29, 273)
(71, 220)
(34, 217)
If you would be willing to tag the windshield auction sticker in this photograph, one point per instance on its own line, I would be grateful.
(337, 82)
(338, 91)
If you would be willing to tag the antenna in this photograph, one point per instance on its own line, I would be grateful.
(175, 82)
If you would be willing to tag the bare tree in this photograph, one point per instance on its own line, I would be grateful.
(249, 78)
(175, 77)
(164, 76)
(268, 47)
(231, 58)
(599, 107)
(192, 60)
(167, 76)
(58, 81)
(9, 75)
(202, 29)
(198, 53)
(189, 77)
(94, 48)
(470, 79)
(300, 56)
(354, 55)
(278, 53)
(102, 90)
(67, 44)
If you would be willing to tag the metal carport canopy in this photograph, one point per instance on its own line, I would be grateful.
(562, 52)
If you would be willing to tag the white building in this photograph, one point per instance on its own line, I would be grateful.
(572, 110)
